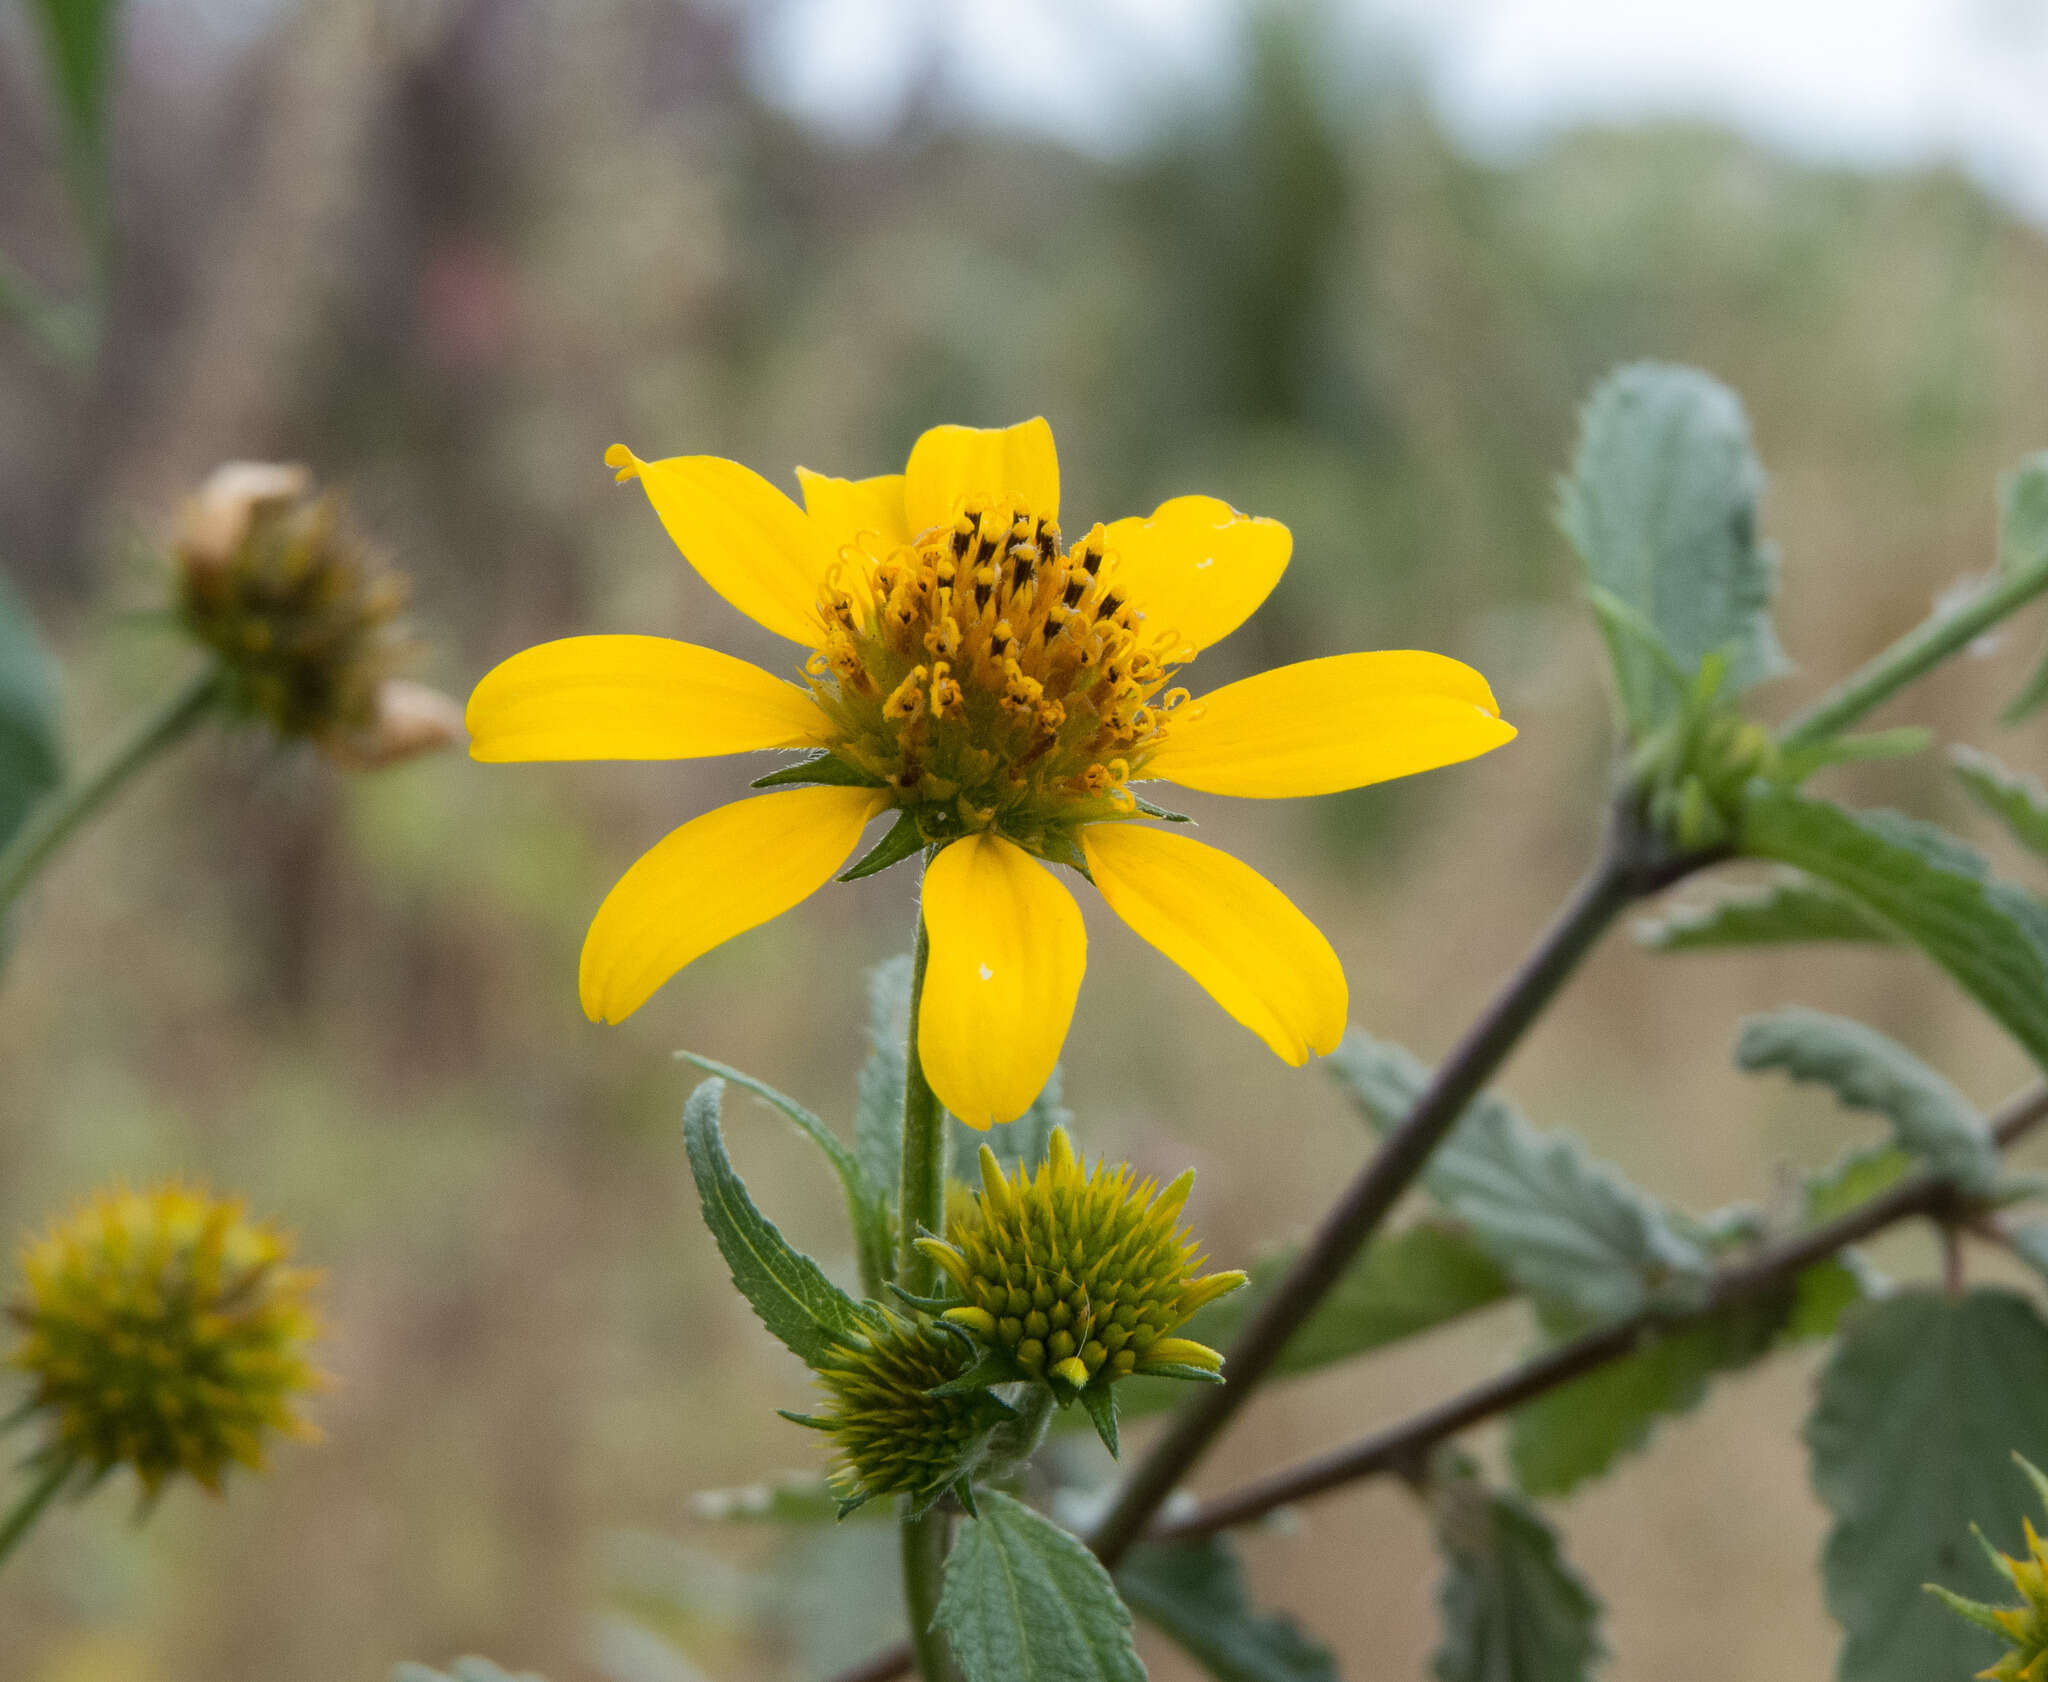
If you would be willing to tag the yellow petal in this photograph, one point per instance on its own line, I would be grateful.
(1198, 566)
(633, 698)
(845, 508)
(1324, 725)
(1007, 952)
(1229, 928)
(1014, 464)
(717, 876)
(752, 545)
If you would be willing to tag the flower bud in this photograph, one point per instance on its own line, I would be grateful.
(166, 1332)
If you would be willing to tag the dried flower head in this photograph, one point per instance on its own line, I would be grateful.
(167, 1332)
(901, 1422)
(303, 617)
(1079, 1276)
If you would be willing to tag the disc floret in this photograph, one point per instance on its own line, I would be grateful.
(167, 1332)
(1078, 1276)
(900, 1425)
(993, 679)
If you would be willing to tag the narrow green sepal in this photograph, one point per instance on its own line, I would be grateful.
(1194, 1375)
(1978, 1612)
(1100, 1401)
(923, 1503)
(963, 1492)
(810, 1421)
(924, 1305)
(852, 1503)
(1059, 847)
(904, 840)
(996, 1366)
(2035, 1476)
(825, 767)
(1999, 1562)
(1153, 810)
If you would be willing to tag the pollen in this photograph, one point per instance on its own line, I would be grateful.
(1080, 1276)
(994, 678)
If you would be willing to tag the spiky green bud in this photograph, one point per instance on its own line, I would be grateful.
(166, 1332)
(898, 1427)
(1077, 1277)
(2024, 1628)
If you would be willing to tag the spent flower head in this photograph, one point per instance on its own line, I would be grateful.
(1078, 1276)
(1001, 690)
(167, 1332)
(302, 616)
(901, 1422)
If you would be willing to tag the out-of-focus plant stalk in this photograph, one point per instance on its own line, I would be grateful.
(921, 1208)
(1914, 655)
(35, 1501)
(53, 823)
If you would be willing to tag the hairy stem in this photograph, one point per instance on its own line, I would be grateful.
(1915, 654)
(1617, 878)
(59, 817)
(1400, 1448)
(33, 1504)
(921, 1207)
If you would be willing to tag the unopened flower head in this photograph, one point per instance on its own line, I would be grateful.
(893, 1434)
(303, 617)
(2024, 1628)
(1079, 1275)
(167, 1332)
(1001, 691)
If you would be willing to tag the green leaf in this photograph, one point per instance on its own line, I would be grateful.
(2023, 548)
(1513, 1610)
(1195, 1592)
(1791, 910)
(1990, 937)
(867, 1205)
(30, 764)
(78, 41)
(878, 1109)
(2019, 802)
(1023, 1601)
(1568, 1231)
(462, 1670)
(1866, 1070)
(1578, 1430)
(823, 767)
(788, 1291)
(1661, 505)
(1915, 1422)
(1854, 1178)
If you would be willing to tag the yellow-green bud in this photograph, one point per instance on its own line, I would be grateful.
(2024, 1628)
(166, 1332)
(1077, 1274)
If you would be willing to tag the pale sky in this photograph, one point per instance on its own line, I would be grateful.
(1872, 82)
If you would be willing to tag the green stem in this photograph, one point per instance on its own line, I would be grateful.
(1915, 654)
(33, 1503)
(53, 823)
(921, 1207)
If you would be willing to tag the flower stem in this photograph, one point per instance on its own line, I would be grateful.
(33, 1503)
(921, 1207)
(1915, 654)
(1617, 878)
(53, 823)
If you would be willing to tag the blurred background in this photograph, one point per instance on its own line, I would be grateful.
(1351, 266)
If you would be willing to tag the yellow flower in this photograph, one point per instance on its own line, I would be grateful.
(164, 1331)
(1000, 691)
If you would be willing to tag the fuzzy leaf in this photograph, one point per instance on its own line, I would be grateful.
(1868, 1071)
(791, 1295)
(1565, 1229)
(30, 765)
(2022, 548)
(878, 1110)
(1781, 913)
(2019, 802)
(1912, 1435)
(1195, 1592)
(1990, 937)
(1661, 505)
(867, 1206)
(1513, 1610)
(1023, 1601)
(1578, 1430)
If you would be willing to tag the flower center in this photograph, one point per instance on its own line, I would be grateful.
(993, 678)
